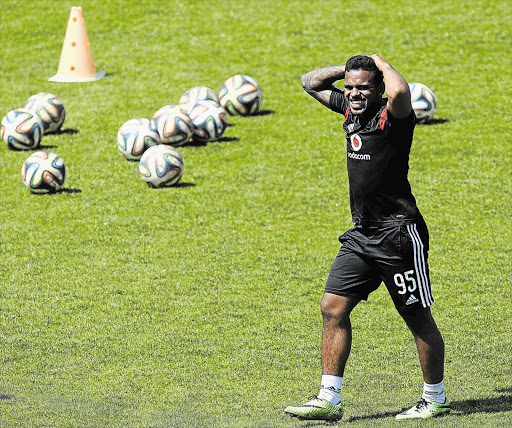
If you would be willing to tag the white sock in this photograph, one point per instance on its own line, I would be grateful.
(330, 388)
(434, 392)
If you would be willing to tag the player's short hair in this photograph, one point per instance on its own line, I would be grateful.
(364, 62)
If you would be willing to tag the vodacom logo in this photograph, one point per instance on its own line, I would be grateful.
(356, 143)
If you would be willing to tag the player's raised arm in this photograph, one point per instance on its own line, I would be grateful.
(319, 83)
(397, 89)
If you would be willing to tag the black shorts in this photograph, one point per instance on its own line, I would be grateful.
(396, 255)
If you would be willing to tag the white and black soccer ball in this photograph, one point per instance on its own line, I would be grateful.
(43, 172)
(135, 137)
(423, 102)
(22, 129)
(198, 93)
(210, 121)
(173, 125)
(241, 95)
(49, 108)
(161, 166)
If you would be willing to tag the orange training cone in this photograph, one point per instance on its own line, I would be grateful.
(76, 64)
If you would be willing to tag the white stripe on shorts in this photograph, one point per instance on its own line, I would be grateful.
(420, 266)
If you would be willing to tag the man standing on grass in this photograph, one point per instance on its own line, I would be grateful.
(389, 241)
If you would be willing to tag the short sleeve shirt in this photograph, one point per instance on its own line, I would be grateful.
(378, 164)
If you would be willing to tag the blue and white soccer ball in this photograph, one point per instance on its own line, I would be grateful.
(173, 125)
(423, 102)
(241, 95)
(135, 137)
(161, 166)
(198, 93)
(43, 172)
(49, 108)
(210, 121)
(22, 129)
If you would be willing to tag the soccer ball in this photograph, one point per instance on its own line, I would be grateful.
(198, 93)
(423, 102)
(210, 121)
(241, 95)
(43, 172)
(49, 108)
(161, 166)
(22, 129)
(173, 125)
(135, 137)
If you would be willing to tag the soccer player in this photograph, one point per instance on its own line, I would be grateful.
(389, 241)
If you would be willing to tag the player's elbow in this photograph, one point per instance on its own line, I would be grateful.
(306, 83)
(398, 92)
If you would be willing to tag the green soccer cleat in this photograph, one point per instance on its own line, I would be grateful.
(316, 409)
(425, 410)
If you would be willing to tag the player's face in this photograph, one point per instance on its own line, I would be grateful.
(360, 91)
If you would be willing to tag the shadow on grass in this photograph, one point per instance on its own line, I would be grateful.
(459, 408)
(6, 397)
(56, 192)
(35, 149)
(69, 131)
(174, 186)
(180, 184)
(381, 415)
(434, 122)
(486, 405)
(65, 190)
(263, 113)
(228, 139)
(195, 143)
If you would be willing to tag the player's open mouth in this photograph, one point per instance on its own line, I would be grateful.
(357, 105)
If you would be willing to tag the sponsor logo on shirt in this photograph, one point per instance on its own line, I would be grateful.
(358, 156)
(355, 142)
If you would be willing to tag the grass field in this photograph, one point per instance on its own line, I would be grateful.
(198, 306)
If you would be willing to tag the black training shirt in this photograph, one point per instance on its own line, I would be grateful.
(377, 164)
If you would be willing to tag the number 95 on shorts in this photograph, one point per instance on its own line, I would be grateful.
(394, 255)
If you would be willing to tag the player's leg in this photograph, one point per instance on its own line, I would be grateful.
(350, 280)
(408, 283)
(336, 333)
(429, 343)
(336, 344)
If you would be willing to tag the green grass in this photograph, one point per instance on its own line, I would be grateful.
(197, 306)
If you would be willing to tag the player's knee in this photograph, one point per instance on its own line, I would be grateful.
(335, 307)
(327, 308)
(419, 321)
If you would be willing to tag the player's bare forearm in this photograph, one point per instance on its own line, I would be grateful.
(319, 83)
(322, 78)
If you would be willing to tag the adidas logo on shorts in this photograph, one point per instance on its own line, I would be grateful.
(412, 299)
